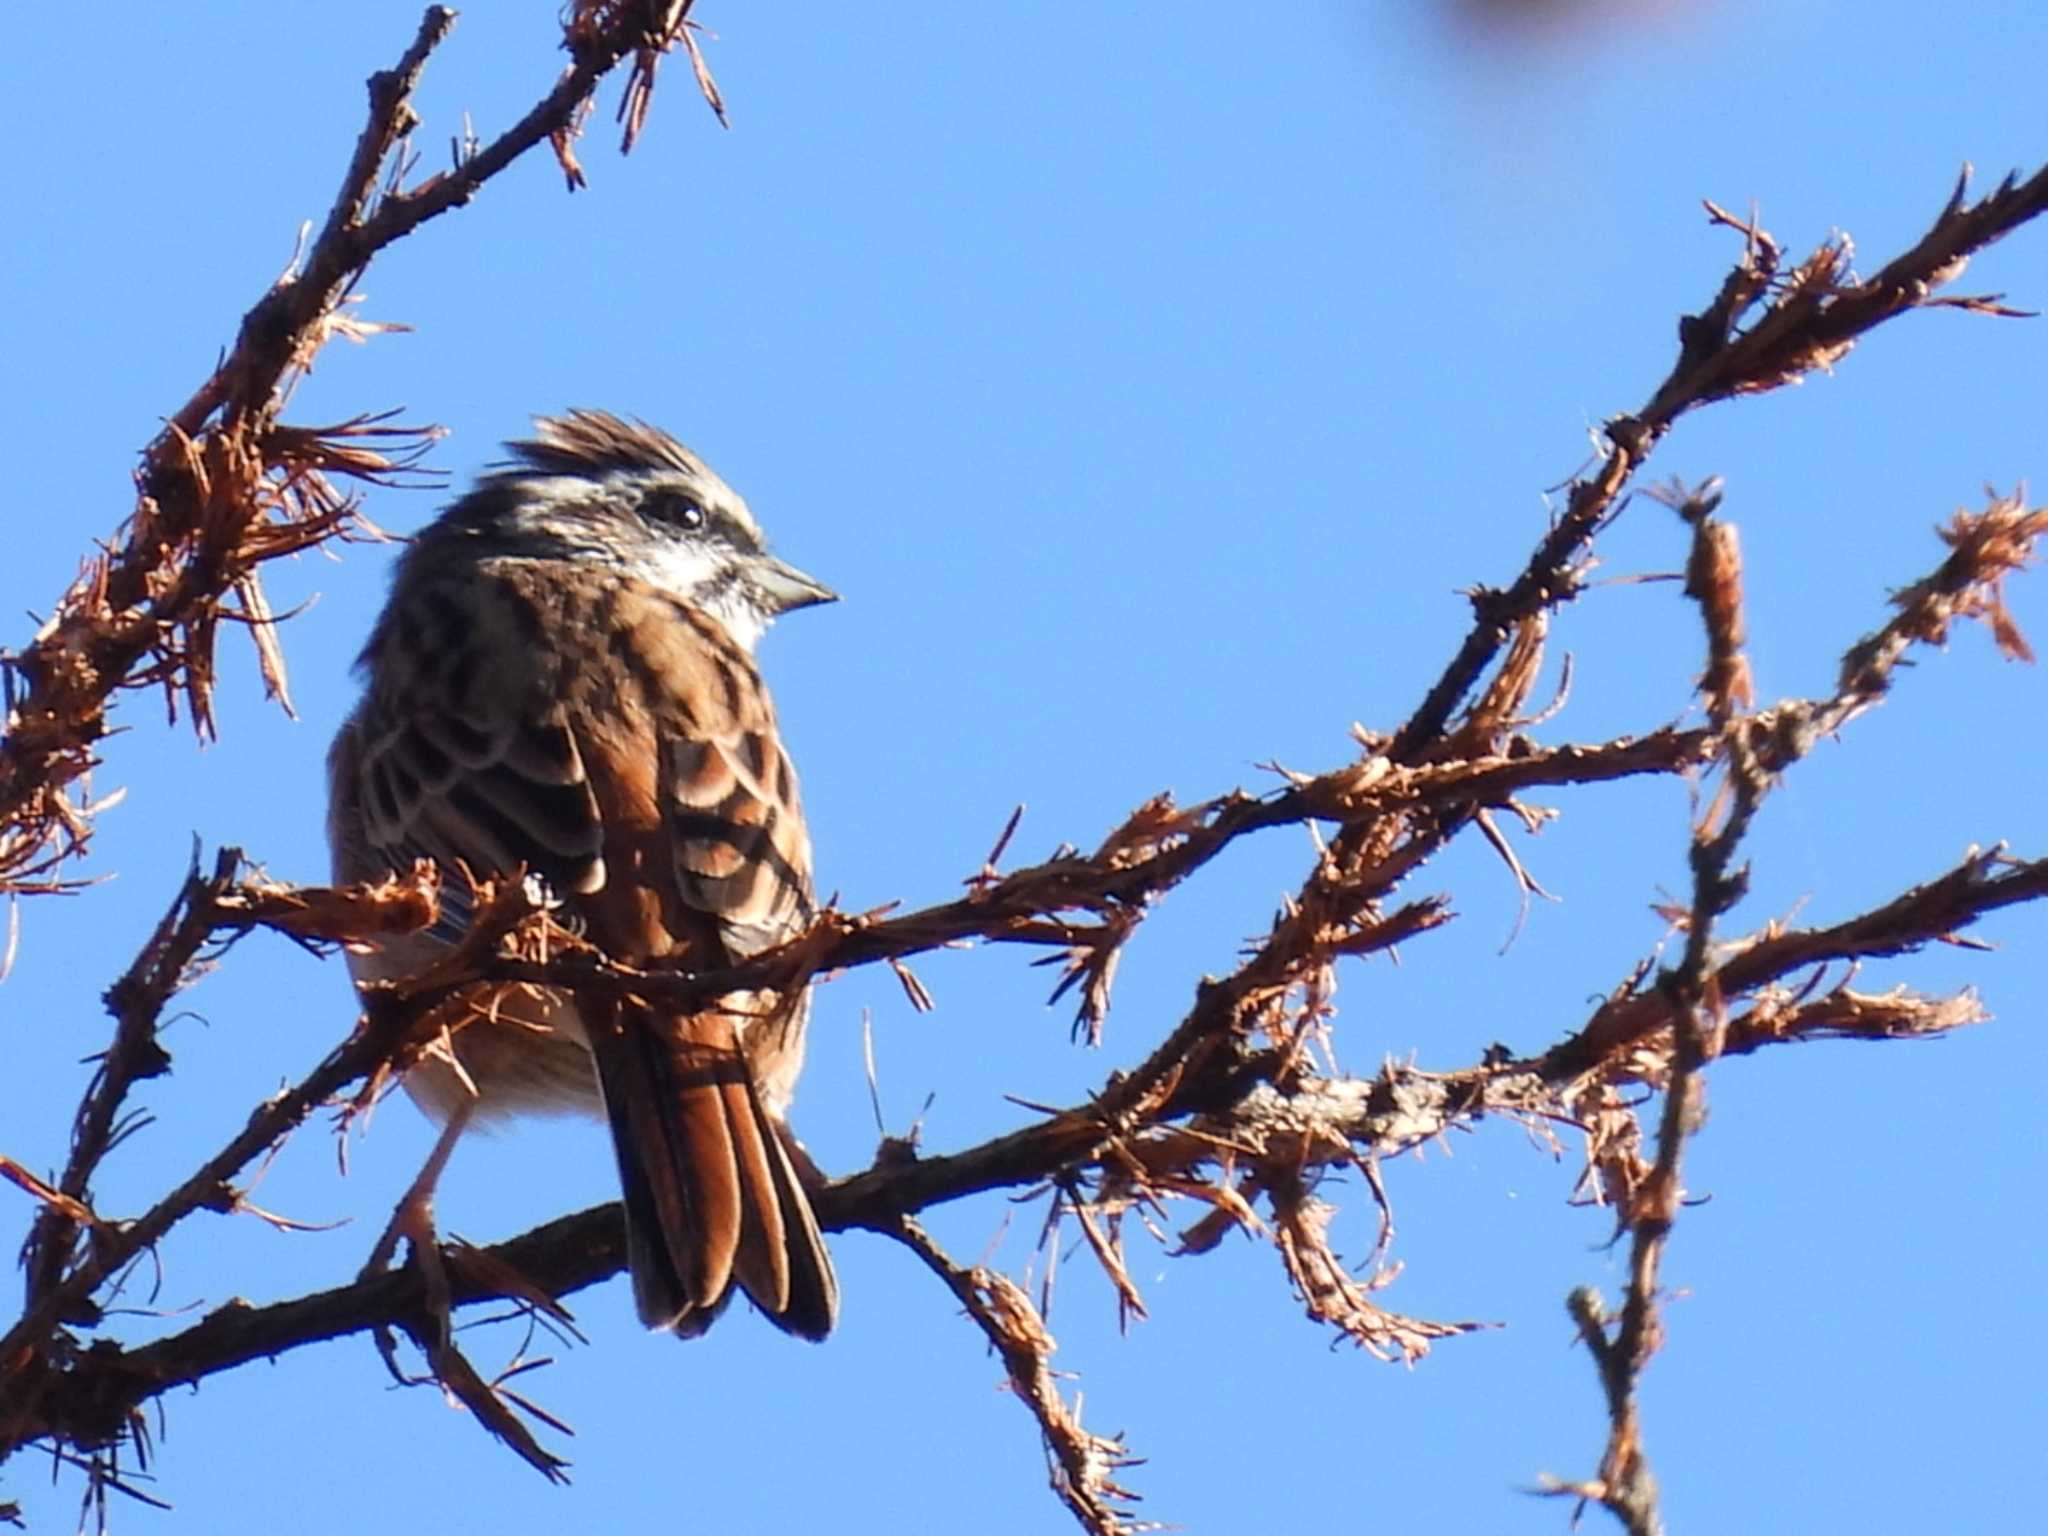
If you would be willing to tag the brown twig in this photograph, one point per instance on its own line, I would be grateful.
(1694, 996)
(1327, 1288)
(136, 1002)
(1084, 1465)
(1807, 322)
(226, 487)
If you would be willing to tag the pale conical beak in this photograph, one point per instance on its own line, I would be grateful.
(789, 588)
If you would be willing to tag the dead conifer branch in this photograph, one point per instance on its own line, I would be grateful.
(1694, 994)
(1985, 547)
(136, 1001)
(1301, 1233)
(1843, 1014)
(1313, 1122)
(387, 1039)
(1813, 314)
(1084, 1465)
(348, 915)
(1030, 905)
(1982, 883)
(1713, 580)
(226, 487)
(1812, 318)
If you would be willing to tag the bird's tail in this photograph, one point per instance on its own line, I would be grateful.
(712, 1193)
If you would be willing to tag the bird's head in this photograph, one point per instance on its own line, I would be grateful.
(591, 486)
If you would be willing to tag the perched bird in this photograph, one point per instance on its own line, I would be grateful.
(563, 680)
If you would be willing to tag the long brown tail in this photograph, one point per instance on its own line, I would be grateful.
(711, 1193)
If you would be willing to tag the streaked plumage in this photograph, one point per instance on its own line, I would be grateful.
(563, 678)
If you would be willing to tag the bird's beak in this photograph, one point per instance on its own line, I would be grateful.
(789, 588)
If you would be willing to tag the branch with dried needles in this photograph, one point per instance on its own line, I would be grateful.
(227, 487)
(1083, 1464)
(1321, 1122)
(1696, 1005)
(1765, 328)
(1753, 751)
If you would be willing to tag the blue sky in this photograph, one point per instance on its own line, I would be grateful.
(1149, 379)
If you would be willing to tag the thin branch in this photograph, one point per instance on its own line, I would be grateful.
(1084, 1465)
(1807, 322)
(1692, 991)
(136, 1002)
(225, 488)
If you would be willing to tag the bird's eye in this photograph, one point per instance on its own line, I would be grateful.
(678, 511)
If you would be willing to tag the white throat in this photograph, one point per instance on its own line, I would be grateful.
(694, 576)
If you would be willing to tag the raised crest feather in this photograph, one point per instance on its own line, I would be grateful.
(586, 442)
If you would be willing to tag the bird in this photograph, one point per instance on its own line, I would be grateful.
(562, 682)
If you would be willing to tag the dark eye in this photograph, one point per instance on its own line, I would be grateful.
(678, 511)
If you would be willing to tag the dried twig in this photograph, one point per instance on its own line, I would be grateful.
(1084, 1465)
(1807, 321)
(136, 1002)
(227, 487)
(1693, 992)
